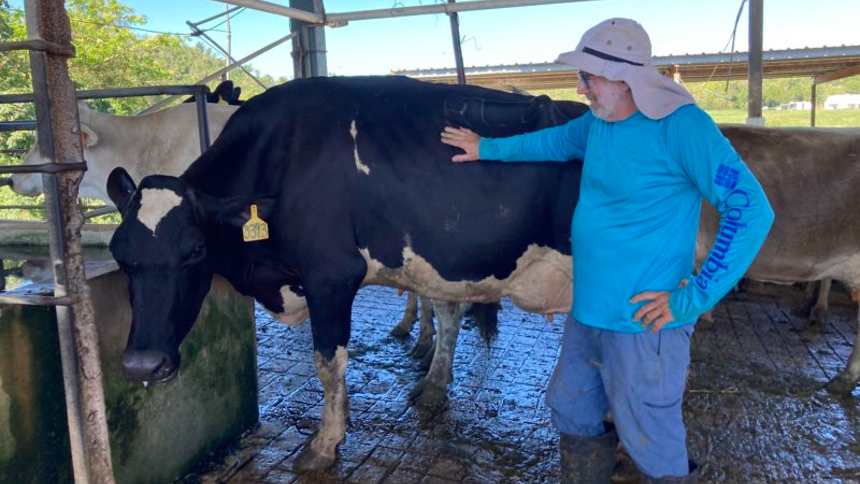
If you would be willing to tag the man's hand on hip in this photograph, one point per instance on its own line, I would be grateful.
(656, 313)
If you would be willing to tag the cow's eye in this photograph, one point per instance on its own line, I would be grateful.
(196, 255)
(130, 265)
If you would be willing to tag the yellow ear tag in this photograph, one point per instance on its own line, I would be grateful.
(255, 228)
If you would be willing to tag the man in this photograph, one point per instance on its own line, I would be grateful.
(650, 155)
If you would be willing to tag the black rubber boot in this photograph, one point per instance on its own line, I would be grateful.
(587, 460)
(690, 478)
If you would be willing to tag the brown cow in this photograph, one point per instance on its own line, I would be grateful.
(812, 178)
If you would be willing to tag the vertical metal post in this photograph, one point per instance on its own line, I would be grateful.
(812, 113)
(228, 60)
(755, 75)
(309, 52)
(202, 120)
(458, 50)
(59, 138)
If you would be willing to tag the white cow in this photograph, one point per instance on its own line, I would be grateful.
(161, 142)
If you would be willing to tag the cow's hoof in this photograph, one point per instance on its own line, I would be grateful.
(310, 460)
(428, 395)
(422, 348)
(426, 360)
(817, 318)
(401, 330)
(843, 384)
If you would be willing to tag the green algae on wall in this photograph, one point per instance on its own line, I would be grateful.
(34, 442)
(157, 433)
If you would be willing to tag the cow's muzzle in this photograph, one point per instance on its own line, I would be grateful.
(6, 182)
(149, 366)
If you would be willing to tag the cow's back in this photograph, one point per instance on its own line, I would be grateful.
(364, 154)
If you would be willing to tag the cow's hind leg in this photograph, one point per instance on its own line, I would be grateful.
(846, 380)
(818, 314)
(424, 345)
(432, 390)
(410, 315)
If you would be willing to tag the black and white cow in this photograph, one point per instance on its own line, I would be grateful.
(356, 188)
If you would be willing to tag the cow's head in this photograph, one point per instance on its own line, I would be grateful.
(163, 246)
(30, 184)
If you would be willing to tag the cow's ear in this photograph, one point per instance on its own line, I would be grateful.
(89, 138)
(234, 211)
(120, 187)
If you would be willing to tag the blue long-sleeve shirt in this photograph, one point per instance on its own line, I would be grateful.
(634, 227)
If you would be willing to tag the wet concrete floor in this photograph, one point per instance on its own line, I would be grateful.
(755, 406)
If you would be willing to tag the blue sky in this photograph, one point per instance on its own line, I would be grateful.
(513, 35)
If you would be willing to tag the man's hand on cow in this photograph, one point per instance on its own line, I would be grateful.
(463, 138)
(656, 313)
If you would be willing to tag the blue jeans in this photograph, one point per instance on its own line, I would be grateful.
(639, 377)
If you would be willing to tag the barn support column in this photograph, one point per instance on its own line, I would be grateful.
(827, 77)
(58, 135)
(458, 50)
(309, 53)
(754, 80)
(813, 100)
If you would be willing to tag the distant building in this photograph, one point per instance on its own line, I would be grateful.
(842, 101)
(796, 106)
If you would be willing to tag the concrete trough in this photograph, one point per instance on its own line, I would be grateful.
(157, 433)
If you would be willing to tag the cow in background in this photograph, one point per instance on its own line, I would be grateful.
(811, 177)
(161, 142)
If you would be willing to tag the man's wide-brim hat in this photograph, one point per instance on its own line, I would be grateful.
(619, 49)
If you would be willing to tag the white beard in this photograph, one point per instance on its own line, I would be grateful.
(611, 97)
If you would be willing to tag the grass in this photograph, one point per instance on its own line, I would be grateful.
(841, 118)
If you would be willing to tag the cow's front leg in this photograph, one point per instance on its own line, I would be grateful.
(432, 390)
(846, 380)
(410, 315)
(424, 345)
(330, 305)
(321, 451)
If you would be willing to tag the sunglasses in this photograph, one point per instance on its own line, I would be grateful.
(585, 77)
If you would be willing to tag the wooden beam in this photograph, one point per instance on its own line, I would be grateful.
(838, 74)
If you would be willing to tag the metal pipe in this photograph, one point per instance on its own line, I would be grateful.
(115, 92)
(39, 45)
(218, 46)
(17, 125)
(202, 123)
(99, 212)
(755, 74)
(44, 168)
(79, 342)
(295, 13)
(812, 113)
(40, 207)
(458, 50)
(36, 300)
(217, 15)
(337, 19)
(217, 73)
(341, 18)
